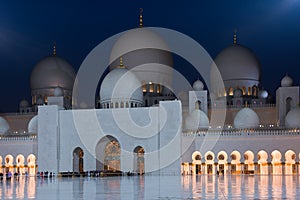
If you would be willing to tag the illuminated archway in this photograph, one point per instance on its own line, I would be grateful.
(31, 163)
(1, 163)
(248, 162)
(235, 162)
(196, 164)
(9, 160)
(20, 160)
(209, 162)
(263, 162)
(108, 152)
(78, 160)
(222, 162)
(290, 167)
(276, 162)
(139, 160)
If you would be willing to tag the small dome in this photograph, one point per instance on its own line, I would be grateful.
(198, 85)
(24, 104)
(238, 66)
(263, 94)
(196, 120)
(286, 81)
(246, 118)
(33, 125)
(40, 101)
(292, 119)
(121, 85)
(4, 126)
(58, 92)
(238, 93)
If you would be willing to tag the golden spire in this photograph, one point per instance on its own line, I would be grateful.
(141, 18)
(234, 37)
(54, 49)
(121, 63)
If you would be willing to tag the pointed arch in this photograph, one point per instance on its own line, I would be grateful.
(276, 162)
(222, 162)
(139, 160)
(262, 157)
(249, 162)
(196, 165)
(78, 160)
(31, 163)
(235, 162)
(9, 166)
(209, 162)
(108, 152)
(290, 160)
(20, 160)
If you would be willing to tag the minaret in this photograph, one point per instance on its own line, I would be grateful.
(141, 25)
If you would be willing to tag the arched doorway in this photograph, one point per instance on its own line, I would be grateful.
(235, 162)
(222, 162)
(276, 162)
(20, 164)
(209, 162)
(31, 163)
(78, 160)
(262, 157)
(9, 160)
(290, 167)
(249, 163)
(108, 152)
(196, 157)
(139, 160)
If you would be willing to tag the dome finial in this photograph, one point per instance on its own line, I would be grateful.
(121, 62)
(141, 18)
(234, 37)
(54, 49)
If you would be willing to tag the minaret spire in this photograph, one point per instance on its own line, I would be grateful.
(234, 37)
(54, 49)
(141, 18)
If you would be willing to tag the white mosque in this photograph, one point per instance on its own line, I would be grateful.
(51, 134)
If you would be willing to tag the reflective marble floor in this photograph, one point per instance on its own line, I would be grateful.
(154, 187)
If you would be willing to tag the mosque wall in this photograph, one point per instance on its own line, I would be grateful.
(152, 128)
(14, 147)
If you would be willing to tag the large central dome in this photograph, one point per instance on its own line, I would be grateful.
(238, 66)
(146, 53)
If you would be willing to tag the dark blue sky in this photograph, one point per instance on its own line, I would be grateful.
(28, 28)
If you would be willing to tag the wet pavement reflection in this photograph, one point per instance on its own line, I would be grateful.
(153, 187)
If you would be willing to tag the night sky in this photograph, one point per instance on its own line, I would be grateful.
(29, 28)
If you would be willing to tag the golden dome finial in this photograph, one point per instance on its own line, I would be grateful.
(54, 49)
(141, 18)
(121, 62)
(234, 37)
